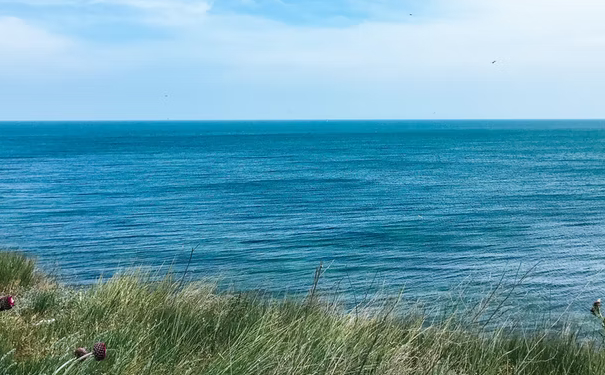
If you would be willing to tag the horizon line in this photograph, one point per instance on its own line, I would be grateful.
(310, 120)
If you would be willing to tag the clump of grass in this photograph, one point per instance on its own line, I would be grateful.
(16, 270)
(158, 327)
(43, 301)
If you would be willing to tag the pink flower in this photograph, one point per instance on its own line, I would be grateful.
(99, 350)
(7, 303)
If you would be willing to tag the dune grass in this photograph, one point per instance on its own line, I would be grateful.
(156, 327)
(16, 270)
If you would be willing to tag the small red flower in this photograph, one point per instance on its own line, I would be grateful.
(99, 350)
(7, 303)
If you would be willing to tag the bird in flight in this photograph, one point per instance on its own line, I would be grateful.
(493, 62)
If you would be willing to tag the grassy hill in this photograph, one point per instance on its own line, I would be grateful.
(159, 327)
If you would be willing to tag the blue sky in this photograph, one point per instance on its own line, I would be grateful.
(305, 59)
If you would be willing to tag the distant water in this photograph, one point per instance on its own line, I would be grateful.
(420, 205)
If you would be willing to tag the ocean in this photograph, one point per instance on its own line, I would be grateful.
(428, 207)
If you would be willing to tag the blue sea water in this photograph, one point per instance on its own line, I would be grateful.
(418, 205)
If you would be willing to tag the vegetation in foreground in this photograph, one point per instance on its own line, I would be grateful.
(156, 327)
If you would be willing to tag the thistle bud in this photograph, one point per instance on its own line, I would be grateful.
(80, 352)
(596, 308)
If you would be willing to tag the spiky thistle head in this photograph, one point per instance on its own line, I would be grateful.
(7, 303)
(99, 350)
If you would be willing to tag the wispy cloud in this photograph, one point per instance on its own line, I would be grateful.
(168, 12)
(443, 49)
(522, 34)
(22, 44)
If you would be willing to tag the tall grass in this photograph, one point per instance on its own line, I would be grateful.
(156, 327)
(16, 270)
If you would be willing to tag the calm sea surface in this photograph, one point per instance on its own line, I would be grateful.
(421, 205)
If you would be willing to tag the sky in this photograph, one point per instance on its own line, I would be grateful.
(301, 59)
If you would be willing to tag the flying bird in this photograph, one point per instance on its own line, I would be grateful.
(493, 62)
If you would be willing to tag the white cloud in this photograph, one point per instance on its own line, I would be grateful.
(28, 52)
(538, 36)
(548, 40)
(21, 42)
